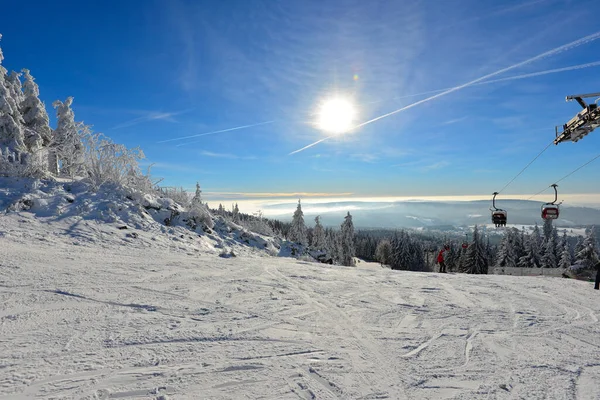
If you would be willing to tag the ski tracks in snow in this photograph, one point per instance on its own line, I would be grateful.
(116, 322)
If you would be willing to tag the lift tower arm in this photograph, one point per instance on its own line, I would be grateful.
(583, 123)
(579, 98)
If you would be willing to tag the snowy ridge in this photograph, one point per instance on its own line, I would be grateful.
(117, 215)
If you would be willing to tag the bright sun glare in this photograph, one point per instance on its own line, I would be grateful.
(336, 115)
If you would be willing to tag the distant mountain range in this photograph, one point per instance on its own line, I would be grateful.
(422, 214)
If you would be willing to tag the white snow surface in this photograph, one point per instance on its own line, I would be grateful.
(90, 313)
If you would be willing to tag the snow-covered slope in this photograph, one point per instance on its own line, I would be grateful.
(88, 313)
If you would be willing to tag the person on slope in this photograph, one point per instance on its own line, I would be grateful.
(597, 285)
(440, 258)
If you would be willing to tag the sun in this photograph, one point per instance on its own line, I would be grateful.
(336, 115)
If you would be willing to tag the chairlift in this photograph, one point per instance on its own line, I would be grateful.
(465, 244)
(581, 124)
(550, 210)
(498, 215)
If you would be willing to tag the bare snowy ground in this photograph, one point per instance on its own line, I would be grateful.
(90, 314)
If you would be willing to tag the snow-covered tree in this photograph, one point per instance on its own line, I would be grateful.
(475, 259)
(565, 258)
(298, 232)
(531, 259)
(235, 213)
(383, 252)
(548, 228)
(347, 236)
(588, 255)
(549, 258)
(104, 161)
(197, 199)
(318, 237)
(11, 121)
(35, 117)
(66, 140)
(507, 256)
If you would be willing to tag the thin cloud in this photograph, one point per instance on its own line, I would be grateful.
(454, 121)
(434, 166)
(214, 133)
(151, 116)
(226, 155)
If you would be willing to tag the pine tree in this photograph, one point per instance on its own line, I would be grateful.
(579, 245)
(531, 259)
(34, 111)
(235, 213)
(475, 259)
(66, 140)
(197, 199)
(298, 232)
(547, 230)
(11, 121)
(588, 255)
(383, 252)
(318, 237)
(347, 241)
(549, 258)
(565, 258)
(507, 256)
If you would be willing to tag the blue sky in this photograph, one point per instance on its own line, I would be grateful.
(144, 72)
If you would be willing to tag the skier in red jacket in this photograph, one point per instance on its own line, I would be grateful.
(440, 258)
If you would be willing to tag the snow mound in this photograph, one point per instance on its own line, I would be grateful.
(116, 213)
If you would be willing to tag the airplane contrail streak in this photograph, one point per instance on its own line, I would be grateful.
(548, 53)
(509, 78)
(310, 145)
(219, 131)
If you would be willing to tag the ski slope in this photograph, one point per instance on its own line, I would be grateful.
(88, 313)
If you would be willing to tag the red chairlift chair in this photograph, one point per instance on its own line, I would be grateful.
(551, 210)
(499, 216)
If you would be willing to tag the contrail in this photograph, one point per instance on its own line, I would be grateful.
(548, 53)
(215, 132)
(510, 78)
(310, 145)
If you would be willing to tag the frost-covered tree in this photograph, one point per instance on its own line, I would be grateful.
(578, 245)
(221, 209)
(104, 161)
(318, 237)
(383, 252)
(347, 239)
(549, 258)
(588, 255)
(475, 259)
(35, 117)
(66, 140)
(537, 240)
(565, 258)
(531, 258)
(197, 199)
(548, 228)
(507, 256)
(11, 121)
(298, 232)
(235, 213)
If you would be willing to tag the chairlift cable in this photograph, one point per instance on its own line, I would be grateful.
(527, 166)
(566, 176)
